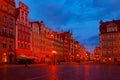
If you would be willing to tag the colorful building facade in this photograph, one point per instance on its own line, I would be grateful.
(23, 34)
(42, 42)
(58, 46)
(97, 53)
(7, 31)
(110, 39)
(36, 41)
(68, 46)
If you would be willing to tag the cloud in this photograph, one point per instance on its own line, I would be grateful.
(91, 42)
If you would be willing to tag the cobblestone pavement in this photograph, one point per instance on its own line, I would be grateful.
(60, 72)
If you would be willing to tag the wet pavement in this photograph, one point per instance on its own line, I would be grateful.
(60, 72)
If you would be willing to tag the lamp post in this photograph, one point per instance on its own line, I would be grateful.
(54, 52)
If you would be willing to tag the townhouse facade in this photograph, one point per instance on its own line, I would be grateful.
(36, 40)
(58, 46)
(97, 53)
(22, 39)
(110, 39)
(7, 31)
(23, 35)
(68, 45)
(42, 42)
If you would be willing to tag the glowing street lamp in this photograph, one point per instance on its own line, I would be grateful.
(54, 52)
(51, 35)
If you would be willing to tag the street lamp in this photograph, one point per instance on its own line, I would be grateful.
(54, 52)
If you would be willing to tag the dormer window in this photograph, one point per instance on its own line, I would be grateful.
(111, 27)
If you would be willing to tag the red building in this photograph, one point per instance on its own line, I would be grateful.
(7, 31)
(97, 53)
(65, 45)
(110, 39)
(68, 45)
(23, 34)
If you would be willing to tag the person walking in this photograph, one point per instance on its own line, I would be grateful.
(26, 63)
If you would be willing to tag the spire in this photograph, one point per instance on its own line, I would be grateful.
(100, 21)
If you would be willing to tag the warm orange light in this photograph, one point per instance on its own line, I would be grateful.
(110, 59)
(77, 55)
(52, 35)
(4, 58)
(54, 52)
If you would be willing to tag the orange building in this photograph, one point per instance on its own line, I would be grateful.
(68, 45)
(7, 31)
(23, 35)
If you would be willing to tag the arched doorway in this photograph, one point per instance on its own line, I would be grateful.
(11, 60)
(4, 58)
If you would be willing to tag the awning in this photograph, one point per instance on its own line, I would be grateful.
(22, 57)
(25, 57)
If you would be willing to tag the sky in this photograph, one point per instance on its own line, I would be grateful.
(81, 17)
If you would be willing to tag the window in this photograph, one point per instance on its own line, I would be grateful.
(4, 19)
(4, 30)
(22, 28)
(11, 21)
(11, 32)
(22, 45)
(111, 27)
(29, 46)
(25, 45)
(18, 44)
(4, 45)
(19, 27)
(11, 45)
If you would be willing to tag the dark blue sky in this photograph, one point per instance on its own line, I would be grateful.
(79, 16)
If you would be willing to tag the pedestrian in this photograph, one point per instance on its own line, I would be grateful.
(26, 64)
